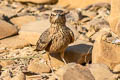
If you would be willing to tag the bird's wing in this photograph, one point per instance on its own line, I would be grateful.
(72, 36)
(43, 41)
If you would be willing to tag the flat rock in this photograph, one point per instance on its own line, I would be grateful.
(19, 21)
(74, 71)
(32, 31)
(39, 1)
(7, 29)
(5, 63)
(38, 67)
(90, 14)
(101, 72)
(13, 42)
(34, 77)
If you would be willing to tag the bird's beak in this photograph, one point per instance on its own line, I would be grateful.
(56, 17)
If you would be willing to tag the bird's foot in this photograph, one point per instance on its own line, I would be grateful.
(51, 68)
(64, 61)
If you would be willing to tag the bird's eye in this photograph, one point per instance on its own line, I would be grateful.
(62, 15)
(52, 14)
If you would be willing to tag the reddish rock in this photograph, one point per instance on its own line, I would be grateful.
(19, 76)
(39, 1)
(7, 11)
(79, 3)
(36, 66)
(13, 42)
(6, 29)
(114, 18)
(105, 52)
(19, 21)
(101, 72)
(32, 31)
(5, 63)
(74, 71)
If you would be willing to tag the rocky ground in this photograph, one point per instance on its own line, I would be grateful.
(93, 56)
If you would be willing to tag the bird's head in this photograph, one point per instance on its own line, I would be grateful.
(58, 16)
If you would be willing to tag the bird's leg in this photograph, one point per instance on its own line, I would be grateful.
(49, 62)
(62, 57)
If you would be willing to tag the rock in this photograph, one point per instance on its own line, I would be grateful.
(6, 75)
(97, 24)
(74, 71)
(96, 27)
(95, 7)
(114, 18)
(79, 52)
(90, 14)
(19, 21)
(4, 3)
(1, 16)
(5, 63)
(73, 15)
(114, 24)
(19, 76)
(37, 67)
(116, 68)
(34, 77)
(39, 1)
(6, 29)
(56, 61)
(2, 49)
(18, 6)
(32, 31)
(0, 67)
(7, 11)
(101, 72)
(104, 51)
(98, 10)
(103, 13)
(13, 42)
(94, 35)
(72, 27)
(79, 3)
(117, 27)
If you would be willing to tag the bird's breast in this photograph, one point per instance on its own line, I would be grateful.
(60, 41)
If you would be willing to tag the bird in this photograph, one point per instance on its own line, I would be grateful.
(58, 36)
